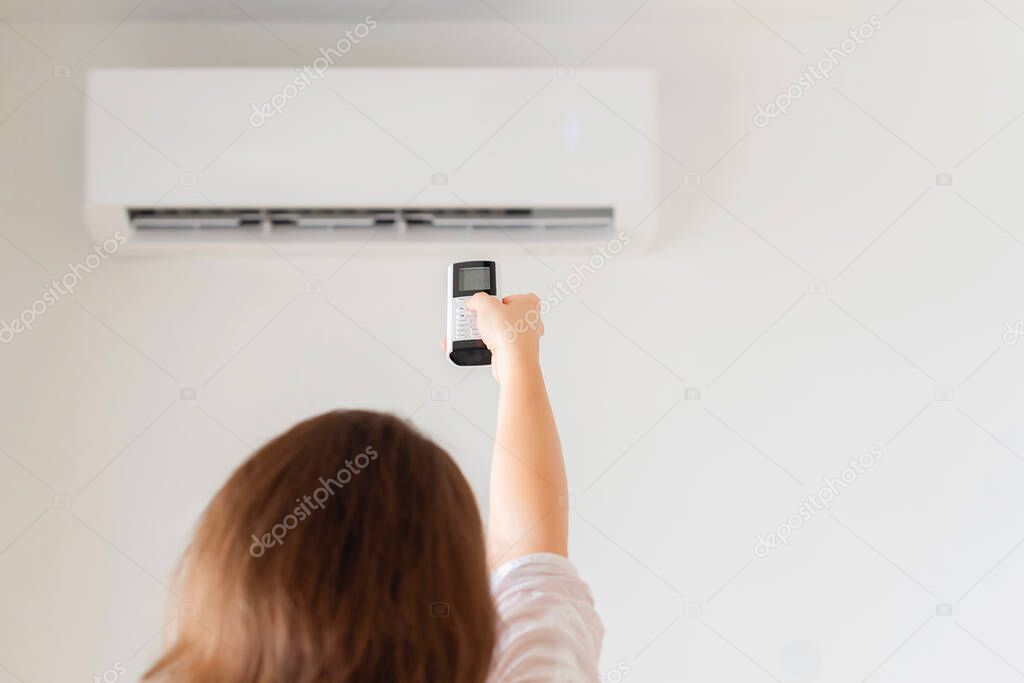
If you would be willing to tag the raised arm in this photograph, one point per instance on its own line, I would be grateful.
(527, 473)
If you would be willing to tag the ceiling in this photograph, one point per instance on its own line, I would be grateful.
(439, 10)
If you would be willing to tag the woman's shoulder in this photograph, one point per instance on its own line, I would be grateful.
(548, 627)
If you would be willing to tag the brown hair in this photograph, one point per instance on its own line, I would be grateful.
(349, 549)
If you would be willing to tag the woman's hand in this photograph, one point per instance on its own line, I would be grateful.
(511, 328)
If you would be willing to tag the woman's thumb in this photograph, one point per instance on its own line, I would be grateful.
(481, 301)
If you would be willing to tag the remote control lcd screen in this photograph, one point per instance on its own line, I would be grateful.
(474, 279)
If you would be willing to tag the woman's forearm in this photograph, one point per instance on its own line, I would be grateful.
(528, 485)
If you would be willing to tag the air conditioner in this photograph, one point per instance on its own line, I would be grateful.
(507, 155)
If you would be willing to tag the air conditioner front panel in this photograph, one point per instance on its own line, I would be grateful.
(362, 138)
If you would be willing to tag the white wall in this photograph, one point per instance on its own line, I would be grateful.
(670, 493)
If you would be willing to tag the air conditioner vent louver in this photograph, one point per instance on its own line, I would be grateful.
(424, 222)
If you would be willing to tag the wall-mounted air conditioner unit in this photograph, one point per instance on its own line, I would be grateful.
(219, 156)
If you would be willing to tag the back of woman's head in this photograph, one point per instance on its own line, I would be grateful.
(348, 549)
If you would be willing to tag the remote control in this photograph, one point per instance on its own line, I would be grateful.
(462, 341)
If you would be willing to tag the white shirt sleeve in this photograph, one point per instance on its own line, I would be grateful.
(548, 630)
